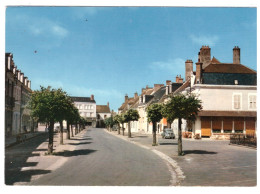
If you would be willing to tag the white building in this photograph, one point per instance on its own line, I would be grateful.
(87, 108)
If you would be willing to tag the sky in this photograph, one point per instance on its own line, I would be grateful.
(113, 51)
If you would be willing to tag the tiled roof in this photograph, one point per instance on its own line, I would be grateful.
(82, 99)
(214, 60)
(185, 85)
(158, 95)
(102, 109)
(228, 68)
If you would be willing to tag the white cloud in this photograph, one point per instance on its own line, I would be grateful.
(204, 40)
(170, 65)
(59, 31)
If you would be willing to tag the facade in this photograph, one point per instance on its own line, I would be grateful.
(103, 112)
(87, 108)
(228, 92)
(17, 96)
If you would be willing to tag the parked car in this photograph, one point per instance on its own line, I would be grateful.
(114, 128)
(168, 133)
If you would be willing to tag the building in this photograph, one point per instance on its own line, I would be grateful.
(87, 108)
(228, 92)
(103, 112)
(17, 96)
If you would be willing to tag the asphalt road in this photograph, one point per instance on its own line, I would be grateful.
(100, 159)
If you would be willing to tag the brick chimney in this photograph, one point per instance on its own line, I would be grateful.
(204, 56)
(136, 95)
(177, 79)
(92, 97)
(157, 86)
(126, 98)
(180, 79)
(168, 82)
(25, 81)
(188, 69)
(198, 72)
(236, 55)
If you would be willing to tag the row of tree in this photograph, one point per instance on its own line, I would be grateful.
(49, 106)
(178, 107)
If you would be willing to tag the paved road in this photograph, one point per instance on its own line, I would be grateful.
(102, 159)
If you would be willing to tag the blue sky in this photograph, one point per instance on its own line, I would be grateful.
(120, 50)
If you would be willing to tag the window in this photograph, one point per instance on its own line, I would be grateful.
(86, 107)
(80, 107)
(237, 101)
(251, 101)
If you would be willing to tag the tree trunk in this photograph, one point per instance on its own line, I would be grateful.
(179, 138)
(118, 129)
(68, 130)
(123, 129)
(61, 132)
(129, 129)
(154, 134)
(50, 145)
(72, 135)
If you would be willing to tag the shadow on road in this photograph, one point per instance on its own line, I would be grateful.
(16, 158)
(198, 152)
(67, 153)
(142, 136)
(82, 138)
(81, 143)
(168, 143)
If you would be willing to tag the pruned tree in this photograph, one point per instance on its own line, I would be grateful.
(131, 115)
(181, 107)
(154, 114)
(109, 122)
(117, 122)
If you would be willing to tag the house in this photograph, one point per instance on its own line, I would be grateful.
(17, 96)
(228, 92)
(87, 108)
(103, 112)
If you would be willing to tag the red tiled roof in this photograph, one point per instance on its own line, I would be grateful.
(228, 68)
(102, 109)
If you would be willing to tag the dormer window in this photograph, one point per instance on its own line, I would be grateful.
(236, 82)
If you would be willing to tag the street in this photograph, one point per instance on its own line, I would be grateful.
(98, 159)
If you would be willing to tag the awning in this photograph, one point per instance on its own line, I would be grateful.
(227, 113)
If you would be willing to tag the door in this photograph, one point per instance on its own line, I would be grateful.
(205, 126)
(250, 126)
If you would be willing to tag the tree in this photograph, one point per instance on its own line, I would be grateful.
(117, 122)
(109, 122)
(47, 106)
(121, 120)
(181, 107)
(72, 118)
(131, 115)
(154, 114)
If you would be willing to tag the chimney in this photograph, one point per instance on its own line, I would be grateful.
(167, 90)
(157, 86)
(92, 97)
(198, 72)
(188, 69)
(147, 87)
(180, 79)
(168, 82)
(136, 95)
(177, 79)
(236, 55)
(9, 58)
(18, 74)
(108, 104)
(14, 69)
(126, 98)
(29, 84)
(204, 56)
(25, 81)
(21, 77)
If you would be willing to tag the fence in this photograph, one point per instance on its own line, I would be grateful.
(242, 139)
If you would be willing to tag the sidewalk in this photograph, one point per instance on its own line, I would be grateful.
(205, 162)
(12, 140)
(38, 163)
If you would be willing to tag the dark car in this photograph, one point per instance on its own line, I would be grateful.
(168, 133)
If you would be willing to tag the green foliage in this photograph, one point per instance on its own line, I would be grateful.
(109, 122)
(116, 119)
(154, 112)
(131, 115)
(180, 106)
(121, 119)
(49, 104)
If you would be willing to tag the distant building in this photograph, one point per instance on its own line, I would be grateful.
(17, 95)
(87, 108)
(103, 112)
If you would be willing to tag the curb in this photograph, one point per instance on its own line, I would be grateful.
(26, 139)
(178, 173)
